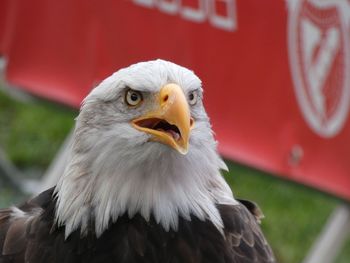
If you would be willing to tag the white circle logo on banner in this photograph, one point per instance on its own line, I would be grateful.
(319, 62)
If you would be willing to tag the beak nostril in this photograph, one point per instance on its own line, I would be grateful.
(166, 97)
(191, 122)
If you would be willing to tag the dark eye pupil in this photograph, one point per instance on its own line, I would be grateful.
(191, 96)
(134, 97)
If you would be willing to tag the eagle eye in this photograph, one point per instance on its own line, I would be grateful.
(133, 97)
(192, 97)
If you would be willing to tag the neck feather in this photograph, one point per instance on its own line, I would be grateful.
(159, 182)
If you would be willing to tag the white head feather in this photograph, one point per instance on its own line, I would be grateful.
(114, 169)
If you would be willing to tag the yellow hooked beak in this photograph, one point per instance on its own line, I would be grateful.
(171, 122)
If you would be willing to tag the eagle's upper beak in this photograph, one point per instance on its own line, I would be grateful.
(171, 122)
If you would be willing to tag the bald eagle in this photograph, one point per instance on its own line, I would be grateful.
(142, 184)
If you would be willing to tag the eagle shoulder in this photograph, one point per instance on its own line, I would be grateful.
(21, 226)
(244, 238)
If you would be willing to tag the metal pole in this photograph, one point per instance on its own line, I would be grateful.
(58, 165)
(332, 238)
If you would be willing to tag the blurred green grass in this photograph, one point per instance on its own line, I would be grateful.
(31, 133)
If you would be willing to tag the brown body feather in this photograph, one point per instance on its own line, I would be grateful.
(33, 237)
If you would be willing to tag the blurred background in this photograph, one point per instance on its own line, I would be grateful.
(276, 81)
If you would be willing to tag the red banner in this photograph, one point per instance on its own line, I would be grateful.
(274, 72)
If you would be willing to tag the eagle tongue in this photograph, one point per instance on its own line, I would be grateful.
(174, 134)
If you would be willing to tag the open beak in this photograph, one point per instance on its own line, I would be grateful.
(171, 122)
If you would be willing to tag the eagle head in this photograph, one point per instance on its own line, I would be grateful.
(142, 144)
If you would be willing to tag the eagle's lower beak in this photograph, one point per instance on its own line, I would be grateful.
(171, 122)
